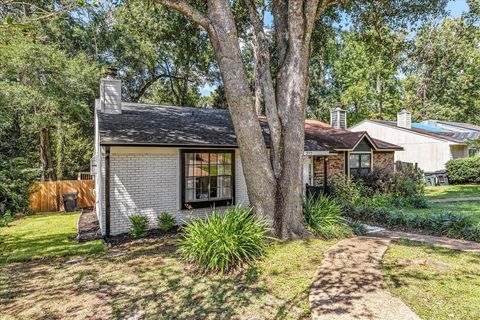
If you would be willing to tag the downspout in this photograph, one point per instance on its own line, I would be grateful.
(107, 191)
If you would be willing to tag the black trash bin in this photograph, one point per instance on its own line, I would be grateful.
(70, 201)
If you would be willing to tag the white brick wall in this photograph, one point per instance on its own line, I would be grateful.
(147, 181)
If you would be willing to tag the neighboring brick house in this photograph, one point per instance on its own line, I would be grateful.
(151, 159)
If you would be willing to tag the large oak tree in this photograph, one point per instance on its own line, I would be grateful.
(273, 172)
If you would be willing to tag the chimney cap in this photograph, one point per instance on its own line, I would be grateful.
(111, 72)
(404, 109)
(338, 106)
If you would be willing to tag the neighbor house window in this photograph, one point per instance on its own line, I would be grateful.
(473, 152)
(207, 178)
(360, 164)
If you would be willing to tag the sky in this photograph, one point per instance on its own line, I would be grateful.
(455, 9)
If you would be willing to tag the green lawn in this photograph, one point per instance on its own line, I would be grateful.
(467, 208)
(146, 279)
(453, 191)
(43, 235)
(436, 283)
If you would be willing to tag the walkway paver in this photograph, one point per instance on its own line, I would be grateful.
(456, 199)
(449, 243)
(349, 284)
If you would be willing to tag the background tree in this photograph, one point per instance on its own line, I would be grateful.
(274, 180)
(442, 76)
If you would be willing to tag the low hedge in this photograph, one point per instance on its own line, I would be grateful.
(442, 224)
(464, 170)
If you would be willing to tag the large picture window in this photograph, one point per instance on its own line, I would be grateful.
(360, 164)
(207, 178)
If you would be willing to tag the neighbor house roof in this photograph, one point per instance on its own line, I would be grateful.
(155, 125)
(463, 125)
(448, 136)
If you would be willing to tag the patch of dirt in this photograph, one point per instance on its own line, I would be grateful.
(153, 234)
(88, 226)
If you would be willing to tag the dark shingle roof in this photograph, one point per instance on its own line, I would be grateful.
(141, 124)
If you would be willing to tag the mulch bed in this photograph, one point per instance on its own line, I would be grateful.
(88, 226)
(152, 234)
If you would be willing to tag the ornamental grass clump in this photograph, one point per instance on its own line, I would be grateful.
(139, 228)
(323, 218)
(224, 241)
(166, 222)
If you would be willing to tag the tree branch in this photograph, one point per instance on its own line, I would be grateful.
(260, 43)
(150, 82)
(189, 11)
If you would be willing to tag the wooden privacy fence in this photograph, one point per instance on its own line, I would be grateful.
(48, 195)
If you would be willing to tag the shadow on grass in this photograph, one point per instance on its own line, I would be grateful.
(145, 280)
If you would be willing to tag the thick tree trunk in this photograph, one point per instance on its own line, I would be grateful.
(46, 163)
(274, 179)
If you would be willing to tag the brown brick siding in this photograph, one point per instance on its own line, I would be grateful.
(384, 161)
(335, 168)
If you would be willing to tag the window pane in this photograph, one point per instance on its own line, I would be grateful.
(354, 161)
(227, 158)
(213, 193)
(213, 170)
(189, 183)
(227, 193)
(227, 181)
(201, 157)
(201, 188)
(189, 171)
(189, 195)
(228, 170)
(188, 158)
(365, 160)
(213, 158)
(364, 172)
(205, 170)
(221, 170)
(353, 173)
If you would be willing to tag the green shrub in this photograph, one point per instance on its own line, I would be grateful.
(222, 242)
(377, 182)
(347, 193)
(447, 223)
(139, 227)
(323, 218)
(166, 222)
(408, 182)
(357, 228)
(6, 219)
(464, 170)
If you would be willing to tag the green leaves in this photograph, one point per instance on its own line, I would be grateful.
(223, 241)
(323, 218)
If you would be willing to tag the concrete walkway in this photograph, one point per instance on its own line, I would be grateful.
(449, 243)
(349, 284)
(456, 199)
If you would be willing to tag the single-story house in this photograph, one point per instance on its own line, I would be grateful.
(430, 144)
(151, 159)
